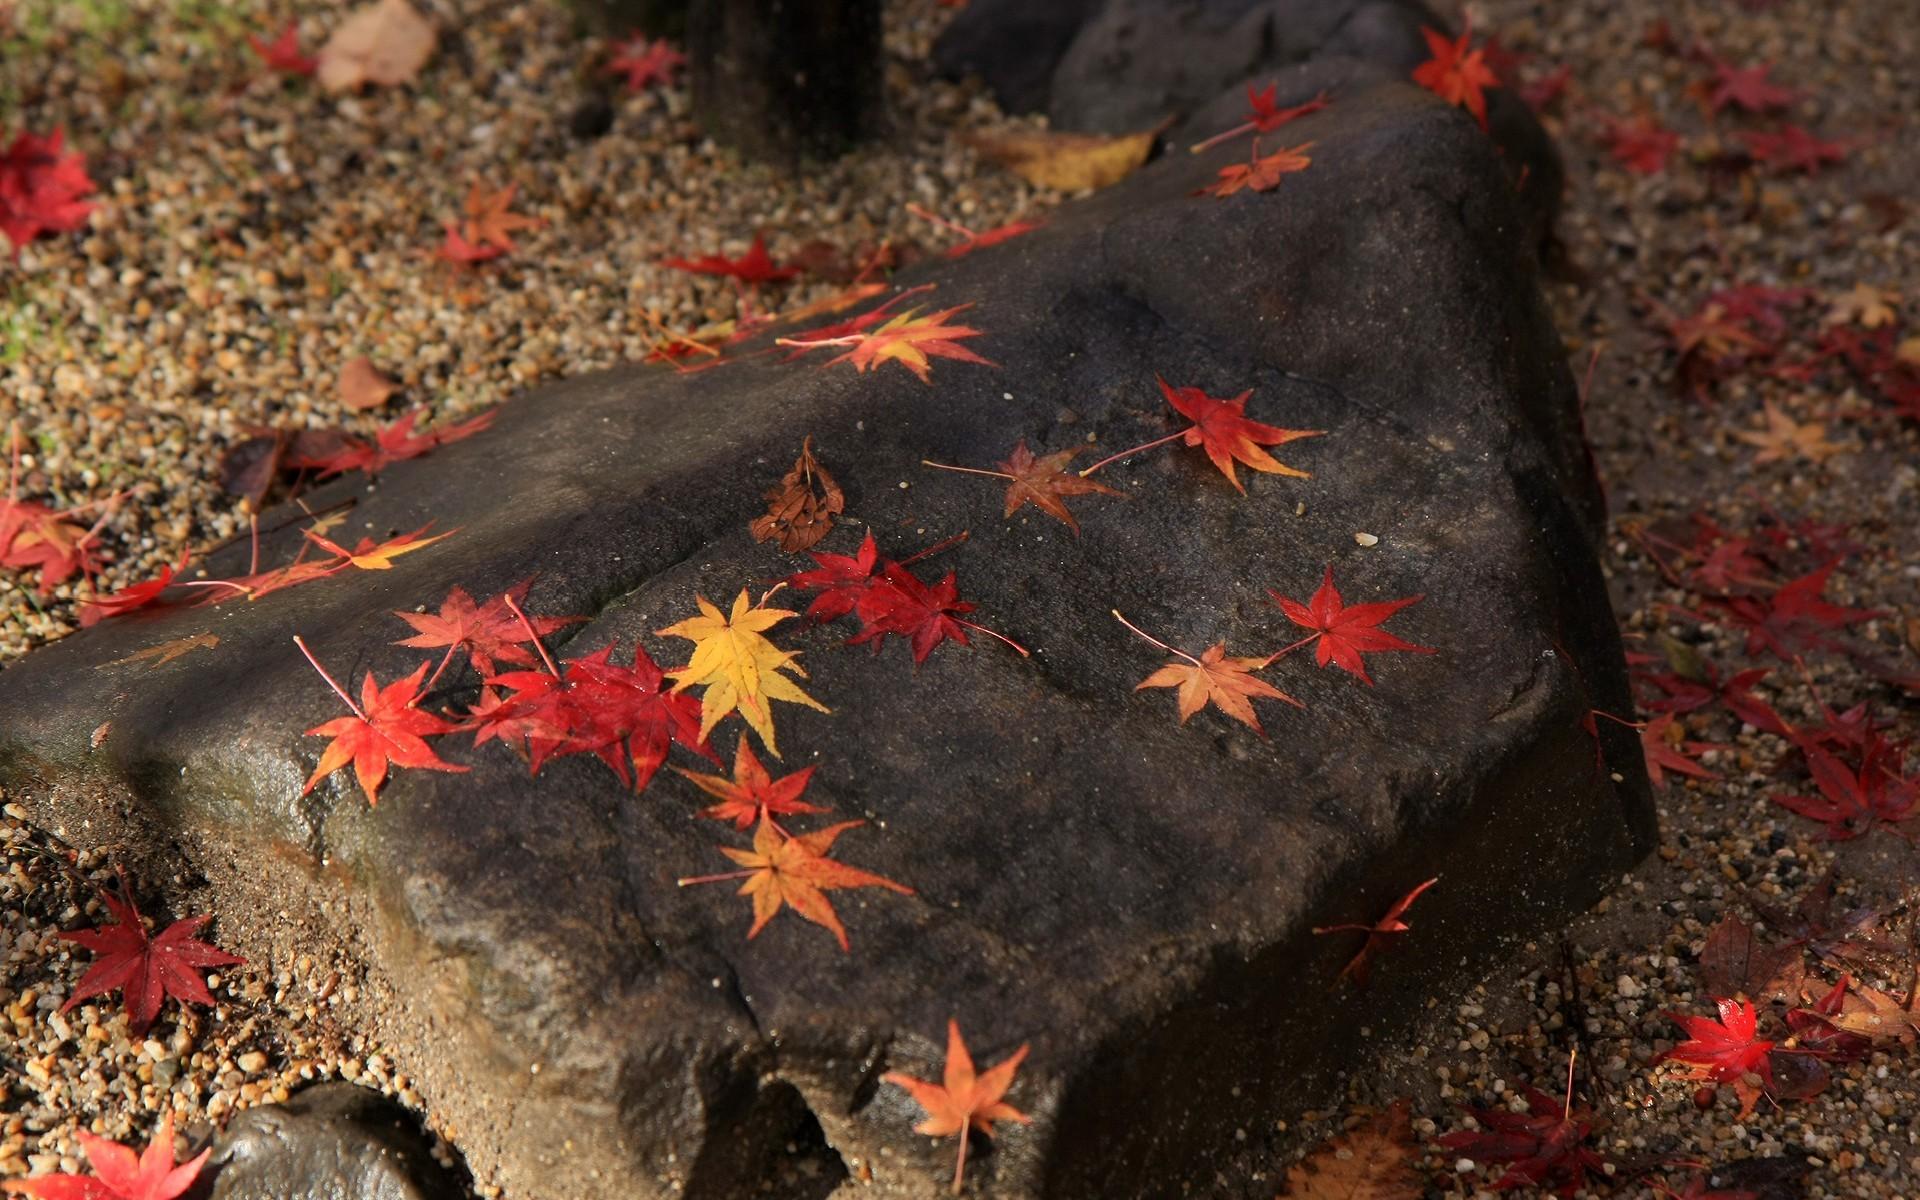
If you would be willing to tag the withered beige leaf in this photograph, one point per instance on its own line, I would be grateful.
(1371, 1162)
(801, 510)
(1068, 162)
(383, 43)
(362, 386)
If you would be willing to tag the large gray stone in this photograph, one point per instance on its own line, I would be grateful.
(1131, 896)
(332, 1141)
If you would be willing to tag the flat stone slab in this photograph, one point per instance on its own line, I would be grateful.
(1129, 895)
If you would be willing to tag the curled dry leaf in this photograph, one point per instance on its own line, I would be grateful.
(801, 510)
(362, 386)
(383, 43)
(1374, 1161)
(1068, 162)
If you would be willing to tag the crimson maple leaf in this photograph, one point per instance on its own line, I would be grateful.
(489, 633)
(385, 730)
(1546, 1145)
(645, 63)
(964, 1100)
(1347, 632)
(1816, 1035)
(841, 580)
(1260, 174)
(1455, 74)
(1746, 87)
(1793, 148)
(784, 870)
(1661, 745)
(1642, 145)
(132, 597)
(1264, 115)
(395, 442)
(1853, 802)
(41, 188)
(1378, 934)
(283, 52)
(1795, 619)
(1728, 1051)
(753, 267)
(752, 793)
(119, 1174)
(146, 969)
(36, 538)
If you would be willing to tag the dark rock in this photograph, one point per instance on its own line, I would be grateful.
(1118, 66)
(333, 1141)
(1131, 896)
(591, 118)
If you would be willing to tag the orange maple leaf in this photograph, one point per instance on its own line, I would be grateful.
(118, 1173)
(1259, 174)
(1042, 482)
(385, 730)
(752, 793)
(910, 341)
(785, 870)
(1213, 678)
(1455, 74)
(371, 557)
(1391, 925)
(964, 1100)
(488, 223)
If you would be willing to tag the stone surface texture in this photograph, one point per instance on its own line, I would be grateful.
(333, 1141)
(1131, 896)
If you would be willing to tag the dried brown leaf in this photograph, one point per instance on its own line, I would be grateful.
(801, 510)
(1371, 1162)
(362, 386)
(384, 43)
(1068, 162)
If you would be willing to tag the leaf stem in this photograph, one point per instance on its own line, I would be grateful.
(444, 660)
(331, 681)
(533, 633)
(1217, 138)
(1024, 652)
(720, 878)
(1601, 712)
(1286, 650)
(1137, 449)
(960, 1162)
(1156, 641)
(940, 547)
(941, 221)
(927, 462)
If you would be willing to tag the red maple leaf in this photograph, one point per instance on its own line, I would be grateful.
(1852, 802)
(1745, 87)
(1664, 751)
(974, 241)
(119, 1174)
(964, 1100)
(1545, 1144)
(753, 267)
(752, 794)
(1793, 148)
(385, 730)
(645, 63)
(1642, 145)
(283, 52)
(1346, 632)
(488, 633)
(132, 597)
(41, 188)
(1455, 74)
(1794, 619)
(1815, 1034)
(146, 969)
(395, 442)
(36, 538)
(1392, 925)
(457, 250)
(841, 580)
(1541, 92)
(1264, 115)
(1728, 1051)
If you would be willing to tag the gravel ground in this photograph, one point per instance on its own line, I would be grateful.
(254, 236)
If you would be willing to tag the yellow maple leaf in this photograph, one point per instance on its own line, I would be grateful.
(738, 666)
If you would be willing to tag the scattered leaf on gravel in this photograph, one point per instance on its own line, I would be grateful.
(383, 43)
(1068, 162)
